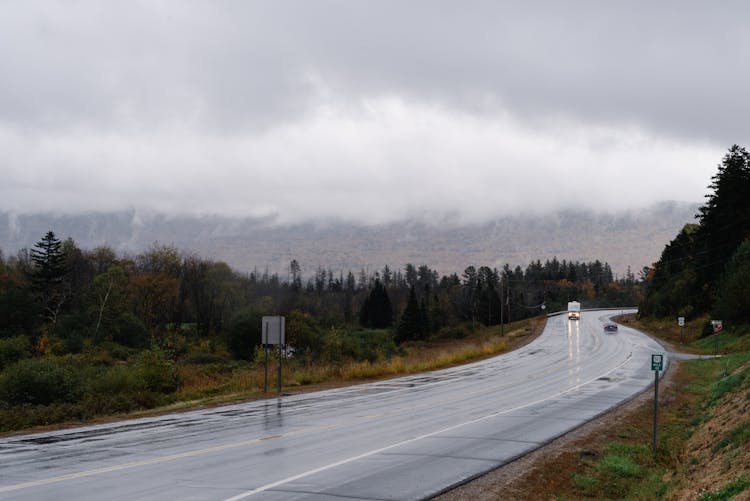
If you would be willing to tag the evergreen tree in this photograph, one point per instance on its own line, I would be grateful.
(377, 312)
(410, 326)
(47, 272)
(725, 218)
(733, 302)
(49, 262)
(295, 275)
(684, 280)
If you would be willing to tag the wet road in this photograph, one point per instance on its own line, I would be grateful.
(405, 438)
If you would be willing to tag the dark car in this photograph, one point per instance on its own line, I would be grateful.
(610, 327)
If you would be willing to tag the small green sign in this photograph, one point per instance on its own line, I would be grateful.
(657, 362)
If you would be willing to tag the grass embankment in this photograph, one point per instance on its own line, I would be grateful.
(703, 432)
(115, 382)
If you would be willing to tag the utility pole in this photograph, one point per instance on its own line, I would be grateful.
(502, 326)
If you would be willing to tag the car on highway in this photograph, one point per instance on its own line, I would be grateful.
(610, 327)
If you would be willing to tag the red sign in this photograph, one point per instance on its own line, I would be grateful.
(716, 325)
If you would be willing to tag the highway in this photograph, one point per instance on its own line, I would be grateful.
(398, 439)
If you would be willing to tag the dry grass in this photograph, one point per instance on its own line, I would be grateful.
(206, 385)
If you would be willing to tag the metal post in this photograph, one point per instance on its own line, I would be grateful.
(656, 406)
(279, 365)
(265, 364)
(502, 326)
(716, 344)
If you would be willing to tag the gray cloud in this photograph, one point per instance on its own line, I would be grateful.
(367, 111)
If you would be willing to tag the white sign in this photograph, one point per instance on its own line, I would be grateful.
(680, 321)
(716, 324)
(273, 330)
(657, 362)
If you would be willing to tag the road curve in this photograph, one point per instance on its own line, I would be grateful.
(400, 439)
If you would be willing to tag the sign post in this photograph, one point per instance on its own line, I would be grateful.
(657, 363)
(273, 331)
(681, 323)
(717, 325)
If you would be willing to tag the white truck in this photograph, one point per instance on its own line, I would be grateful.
(574, 310)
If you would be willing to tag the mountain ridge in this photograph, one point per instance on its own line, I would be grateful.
(631, 238)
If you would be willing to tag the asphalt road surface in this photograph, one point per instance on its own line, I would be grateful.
(405, 438)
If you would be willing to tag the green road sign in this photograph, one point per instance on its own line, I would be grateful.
(657, 362)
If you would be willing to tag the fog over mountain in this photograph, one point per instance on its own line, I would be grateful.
(626, 238)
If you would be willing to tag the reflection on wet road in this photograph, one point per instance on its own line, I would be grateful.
(404, 438)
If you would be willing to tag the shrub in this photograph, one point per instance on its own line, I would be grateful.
(333, 346)
(372, 345)
(244, 334)
(14, 349)
(157, 372)
(117, 380)
(70, 331)
(460, 331)
(203, 358)
(303, 333)
(39, 381)
(129, 331)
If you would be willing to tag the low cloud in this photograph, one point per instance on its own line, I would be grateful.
(383, 160)
(367, 111)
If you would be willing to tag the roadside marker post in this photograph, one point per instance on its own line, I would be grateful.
(273, 332)
(717, 326)
(657, 364)
(681, 323)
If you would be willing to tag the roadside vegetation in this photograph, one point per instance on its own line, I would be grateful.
(703, 449)
(109, 380)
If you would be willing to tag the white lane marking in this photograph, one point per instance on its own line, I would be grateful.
(220, 448)
(277, 483)
(143, 462)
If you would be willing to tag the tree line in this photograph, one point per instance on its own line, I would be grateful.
(60, 296)
(705, 269)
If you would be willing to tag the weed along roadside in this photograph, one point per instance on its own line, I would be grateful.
(703, 447)
(107, 385)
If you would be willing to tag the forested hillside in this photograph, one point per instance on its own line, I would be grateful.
(706, 267)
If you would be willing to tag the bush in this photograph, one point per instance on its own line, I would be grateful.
(130, 331)
(244, 334)
(70, 332)
(337, 346)
(13, 349)
(372, 345)
(203, 358)
(39, 381)
(460, 331)
(117, 380)
(157, 372)
(303, 333)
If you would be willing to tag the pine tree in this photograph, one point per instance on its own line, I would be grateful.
(49, 268)
(410, 326)
(377, 312)
(725, 218)
(49, 261)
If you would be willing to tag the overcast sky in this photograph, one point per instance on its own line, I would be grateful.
(367, 111)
